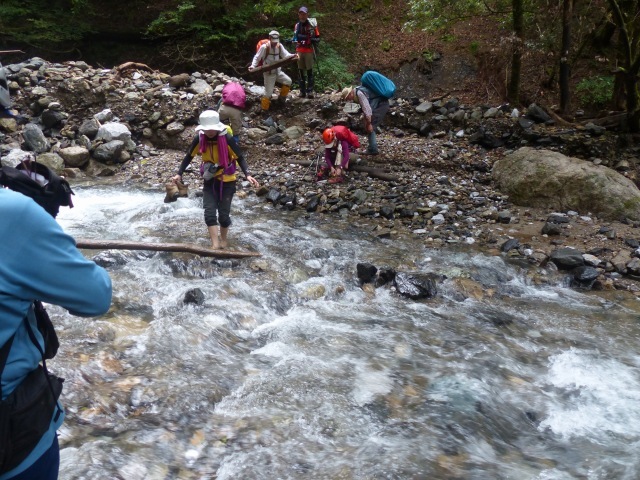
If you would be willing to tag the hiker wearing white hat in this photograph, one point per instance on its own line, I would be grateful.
(271, 52)
(220, 155)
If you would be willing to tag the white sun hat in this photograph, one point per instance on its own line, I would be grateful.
(210, 120)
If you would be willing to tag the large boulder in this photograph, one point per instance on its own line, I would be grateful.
(542, 178)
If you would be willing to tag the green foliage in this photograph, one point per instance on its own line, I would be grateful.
(428, 55)
(219, 23)
(332, 70)
(474, 46)
(44, 23)
(206, 21)
(434, 15)
(595, 92)
(362, 5)
(386, 45)
(275, 8)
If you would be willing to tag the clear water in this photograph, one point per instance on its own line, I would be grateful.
(291, 370)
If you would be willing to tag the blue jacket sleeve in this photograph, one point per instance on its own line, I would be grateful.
(47, 266)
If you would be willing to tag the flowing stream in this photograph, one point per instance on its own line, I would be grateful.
(290, 370)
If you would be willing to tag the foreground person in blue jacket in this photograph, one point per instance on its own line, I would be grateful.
(38, 261)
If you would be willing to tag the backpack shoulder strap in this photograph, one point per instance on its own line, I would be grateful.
(34, 340)
(4, 355)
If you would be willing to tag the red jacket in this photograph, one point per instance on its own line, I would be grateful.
(302, 34)
(343, 133)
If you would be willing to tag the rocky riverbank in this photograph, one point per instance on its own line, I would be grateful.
(433, 179)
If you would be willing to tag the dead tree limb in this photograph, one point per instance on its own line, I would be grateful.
(372, 171)
(271, 66)
(161, 247)
(132, 66)
(559, 120)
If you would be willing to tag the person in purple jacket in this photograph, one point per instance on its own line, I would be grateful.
(338, 140)
(38, 261)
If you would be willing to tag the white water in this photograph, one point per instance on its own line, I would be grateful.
(290, 370)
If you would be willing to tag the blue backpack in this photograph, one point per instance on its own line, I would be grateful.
(378, 84)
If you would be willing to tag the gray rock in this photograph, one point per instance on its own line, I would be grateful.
(14, 158)
(51, 118)
(175, 128)
(567, 258)
(542, 178)
(113, 131)
(34, 139)
(200, 87)
(104, 116)
(366, 272)
(52, 160)
(294, 132)
(109, 152)
(537, 114)
(89, 128)
(491, 113)
(416, 285)
(424, 107)
(194, 296)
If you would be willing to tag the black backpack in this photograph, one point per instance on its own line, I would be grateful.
(39, 182)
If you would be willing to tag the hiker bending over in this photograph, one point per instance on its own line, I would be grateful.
(231, 106)
(38, 261)
(337, 142)
(220, 155)
(271, 52)
(305, 36)
(374, 108)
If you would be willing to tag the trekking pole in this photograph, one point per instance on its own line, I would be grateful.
(315, 163)
(315, 58)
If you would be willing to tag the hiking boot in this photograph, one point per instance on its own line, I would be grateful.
(323, 172)
(336, 179)
(367, 152)
(303, 95)
(310, 95)
(172, 192)
(183, 190)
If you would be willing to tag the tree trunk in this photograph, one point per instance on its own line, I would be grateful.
(161, 247)
(513, 92)
(374, 172)
(624, 15)
(633, 107)
(565, 67)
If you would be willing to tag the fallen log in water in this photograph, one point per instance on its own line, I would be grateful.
(161, 247)
(372, 171)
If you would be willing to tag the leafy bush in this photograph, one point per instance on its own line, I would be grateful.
(595, 92)
(43, 23)
(331, 71)
(474, 46)
(386, 45)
